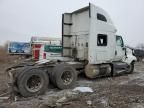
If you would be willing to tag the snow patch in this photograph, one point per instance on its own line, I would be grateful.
(83, 89)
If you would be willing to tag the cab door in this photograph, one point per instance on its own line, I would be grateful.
(120, 50)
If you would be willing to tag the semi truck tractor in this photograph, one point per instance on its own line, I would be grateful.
(90, 45)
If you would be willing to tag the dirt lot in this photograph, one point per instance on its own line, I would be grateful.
(125, 91)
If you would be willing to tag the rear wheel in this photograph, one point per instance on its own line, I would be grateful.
(64, 76)
(32, 82)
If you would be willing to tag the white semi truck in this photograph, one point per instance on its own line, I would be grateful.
(90, 46)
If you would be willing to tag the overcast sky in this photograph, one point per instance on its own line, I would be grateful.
(21, 19)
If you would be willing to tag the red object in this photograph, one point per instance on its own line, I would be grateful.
(35, 51)
(44, 55)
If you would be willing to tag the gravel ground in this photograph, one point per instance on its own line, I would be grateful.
(125, 91)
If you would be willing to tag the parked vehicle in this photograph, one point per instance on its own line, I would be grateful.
(50, 52)
(139, 53)
(89, 45)
(38, 42)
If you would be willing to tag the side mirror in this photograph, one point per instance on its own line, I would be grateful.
(125, 49)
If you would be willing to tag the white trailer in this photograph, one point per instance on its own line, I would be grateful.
(90, 45)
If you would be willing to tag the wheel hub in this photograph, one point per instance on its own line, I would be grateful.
(34, 83)
(67, 77)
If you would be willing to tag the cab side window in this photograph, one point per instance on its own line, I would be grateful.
(101, 17)
(102, 40)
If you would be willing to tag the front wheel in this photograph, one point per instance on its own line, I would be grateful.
(130, 68)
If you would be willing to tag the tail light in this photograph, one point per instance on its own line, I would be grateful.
(44, 55)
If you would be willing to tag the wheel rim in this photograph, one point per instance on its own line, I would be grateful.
(34, 83)
(67, 77)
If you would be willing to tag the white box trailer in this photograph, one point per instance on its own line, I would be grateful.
(90, 45)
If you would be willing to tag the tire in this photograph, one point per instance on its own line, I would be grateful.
(32, 82)
(130, 68)
(64, 76)
(52, 78)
